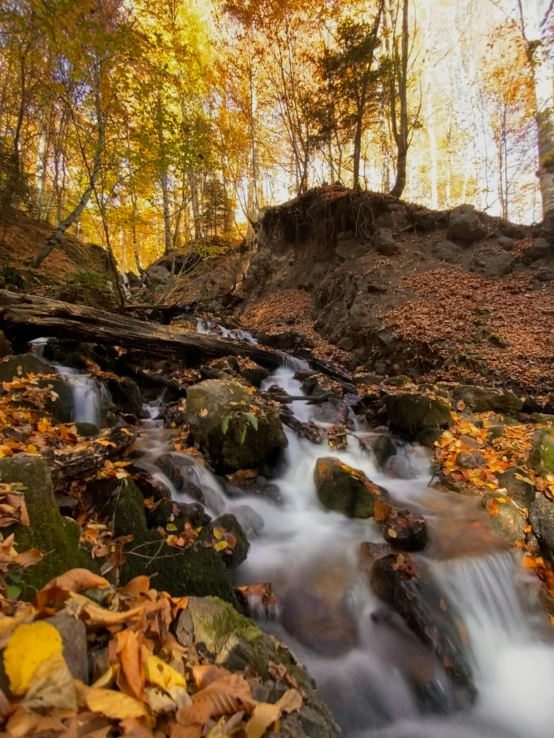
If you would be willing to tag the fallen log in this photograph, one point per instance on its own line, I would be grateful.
(24, 317)
(89, 457)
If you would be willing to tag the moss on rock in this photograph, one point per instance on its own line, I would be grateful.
(409, 414)
(486, 399)
(231, 427)
(541, 457)
(57, 537)
(345, 490)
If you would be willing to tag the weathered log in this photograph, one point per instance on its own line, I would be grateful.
(87, 458)
(24, 317)
(305, 430)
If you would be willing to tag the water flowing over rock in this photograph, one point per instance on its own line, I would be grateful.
(345, 490)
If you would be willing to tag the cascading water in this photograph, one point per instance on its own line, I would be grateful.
(89, 395)
(209, 328)
(368, 672)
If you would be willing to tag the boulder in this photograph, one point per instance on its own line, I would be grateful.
(490, 262)
(484, 400)
(74, 641)
(385, 243)
(394, 218)
(405, 530)
(507, 520)
(464, 224)
(541, 515)
(383, 448)
(334, 411)
(285, 340)
(541, 456)
(249, 520)
(56, 536)
(253, 373)
(23, 365)
(517, 485)
(196, 571)
(232, 557)
(126, 395)
(345, 490)
(448, 251)
(180, 469)
(539, 249)
(402, 582)
(238, 644)
(5, 346)
(400, 380)
(236, 431)
(158, 275)
(508, 244)
(409, 414)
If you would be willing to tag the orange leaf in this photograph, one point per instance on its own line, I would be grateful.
(72, 581)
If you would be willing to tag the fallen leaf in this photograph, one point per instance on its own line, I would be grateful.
(51, 686)
(162, 675)
(72, 581)
(28, 647)
(112, 704)
(263, 716)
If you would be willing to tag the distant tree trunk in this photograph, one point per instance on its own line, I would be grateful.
(73, 216)
(543, 82)
(400, 88)
(195, 205)
(164, 181)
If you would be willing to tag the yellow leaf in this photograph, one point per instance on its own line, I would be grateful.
(263, 716)
(220, 546)
(161, 674)
(291, 701)
(218, 533)
(392, 533)
(171, 527)
(112, 704)
(31, 449)
(52, 685)
(29, 646)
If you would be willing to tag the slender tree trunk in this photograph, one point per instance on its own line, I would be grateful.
(74, 215)
(401, 134)
(195, 205)
(534, 35)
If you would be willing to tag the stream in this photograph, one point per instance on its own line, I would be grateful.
(310, 556)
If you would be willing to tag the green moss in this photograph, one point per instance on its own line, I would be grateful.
(230, 622)
(409, 414)
(89, 288)
(57, 537)
(344, 490)
(541, 457)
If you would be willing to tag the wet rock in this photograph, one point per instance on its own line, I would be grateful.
(409, 414)
(541, 515)
(517, 485)
(86, 430)
(490, 262)
(249, 520)
(448, 251)
(5, 346)
(483, 400)
(429, 436)
(195, 571)
(405, 530)
(333, 411)
(230, 427)
(192, 513)
(401, 581)
(57, 537)
(464, 224)
(467, 460)
(539, 249)
(324, 628)
(385, 243)
(180, 469)
(253, 373)
(507, 520)
(541, 456)
(23, 365)
(345, 490)
(399, 467)
(232, 557)
(383, 448)
(74, 641)
(126, 395)
(250, 482)
(238, 644)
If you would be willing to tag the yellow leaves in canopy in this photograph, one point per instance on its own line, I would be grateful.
(29, 646)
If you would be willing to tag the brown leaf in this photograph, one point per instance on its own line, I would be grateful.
(208, 673)
(135, 728)
(29, 557)
(72, 581)
(21, 723)
(130, 658)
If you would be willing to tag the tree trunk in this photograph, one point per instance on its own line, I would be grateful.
(543, 82)
(401, 134)
(62, 227)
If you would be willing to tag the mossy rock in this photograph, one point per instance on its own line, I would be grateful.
(5, 346)
(125, 393)
(230, 524)
(345, 490)
(23, 365)
(429, 436)
(237, 644)
(506, 518)
(57, 537)
(541, 457)
(409, 414)
(195, 571)
(401, 380)
(227, 424)
(89, 288)
(517, 485)
(484, 400)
